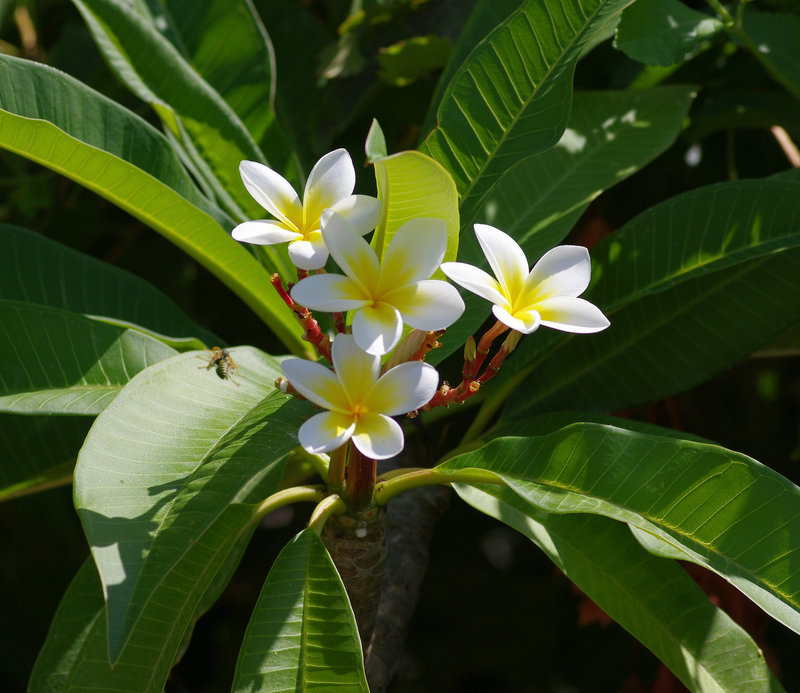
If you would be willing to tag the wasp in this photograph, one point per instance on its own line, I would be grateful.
(222, 362)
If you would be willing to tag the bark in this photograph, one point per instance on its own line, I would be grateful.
(410, 521)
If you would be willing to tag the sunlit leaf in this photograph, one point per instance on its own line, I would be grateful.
(710, 503)
(177, 450)
(60, 145)
(510, 98)
(302, 635)
(65, 363)
(654, 599)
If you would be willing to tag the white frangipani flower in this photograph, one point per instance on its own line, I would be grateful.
(547, 295)
(359, 402)
(329, 189)
(384, 295)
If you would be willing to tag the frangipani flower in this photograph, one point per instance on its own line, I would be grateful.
(385, 295)
(547, 295)
(329, 187)
(359, 403)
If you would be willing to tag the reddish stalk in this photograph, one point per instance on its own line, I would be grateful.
(313, 334)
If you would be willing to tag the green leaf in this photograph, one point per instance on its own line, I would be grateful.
(33, 90)
(663, 32)
(724, 510)
(35, 269)
(511, 97)
(773, 38)
(38, 452)
(59, 145)
(65, 363)
(74, 657)
(410, 185)
(691, 286)
(485, 14)
(194, 113)
(163, 464)
(227, 45)
(653, 599)
(302, 635)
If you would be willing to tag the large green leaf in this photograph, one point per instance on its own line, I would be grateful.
(196, 115)
(511, 97)
(773, 38)
(717, 508)
(35, 269)
(663, 32)
(38, 452)
(226, 43)
(654, 599)
(302, 635)
(65, 363)
(33, 90)
(75, 655)
(59, 145)
(163, 464)
(691, 286)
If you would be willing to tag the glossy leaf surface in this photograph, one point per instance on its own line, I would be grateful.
(58, 145)
(510, 98)
(654, 599)
(66, 363)
(35, 269)
(161, 468)
(717, 508)
(302, 635)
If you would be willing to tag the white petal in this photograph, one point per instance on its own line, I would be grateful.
(522, 321)
(506, 258)
(273, 192)
(362, 211)
(329, 292)
(378, 328)
(326, 431)
(404, 388)
(572, 315)
(414, 253)
(316, 383)
(428, 305)
(563, 271)
(357, 371)
(332, 178)
(309, 254)
(475, 280)
(263, 232)
(378, 437)
(352, 253)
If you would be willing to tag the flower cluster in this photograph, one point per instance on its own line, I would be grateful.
(359, 394)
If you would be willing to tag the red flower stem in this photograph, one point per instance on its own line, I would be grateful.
(486, 344)
(494, 365)
(320, 341)
(430, 343)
